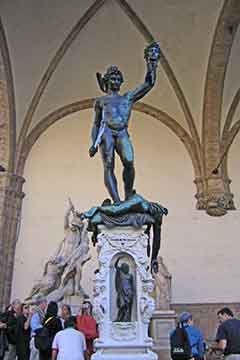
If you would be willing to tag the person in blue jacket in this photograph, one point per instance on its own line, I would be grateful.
(194, 334)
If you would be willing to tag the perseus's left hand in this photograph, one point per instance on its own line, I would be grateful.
(154, 266)
(152, 55)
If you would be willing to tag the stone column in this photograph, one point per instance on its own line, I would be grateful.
(4, 119)
(7, 108)
(10, 185)
(11, 196)
(218, 198)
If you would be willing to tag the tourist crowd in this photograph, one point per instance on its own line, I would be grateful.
(44, 332)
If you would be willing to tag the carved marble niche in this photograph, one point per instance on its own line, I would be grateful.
(123, 278)
(122, 258)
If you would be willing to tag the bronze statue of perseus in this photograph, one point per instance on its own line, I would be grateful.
(112, 114)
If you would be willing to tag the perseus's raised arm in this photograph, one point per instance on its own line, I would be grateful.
(152, 56)
(144, 88)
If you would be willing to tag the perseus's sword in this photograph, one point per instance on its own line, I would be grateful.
(100, 134)
(102, 124)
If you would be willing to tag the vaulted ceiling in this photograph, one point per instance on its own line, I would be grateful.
(51, 51)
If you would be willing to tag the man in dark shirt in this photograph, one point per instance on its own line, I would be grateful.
(11, 314)
(228, 334)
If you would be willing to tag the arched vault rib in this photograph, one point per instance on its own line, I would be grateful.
(226, 144)
(218, 61)
(169, 73)
(49, 120)
(178, 130)
(53, 65)
(231, 113)
(232, 133)
(9, 129)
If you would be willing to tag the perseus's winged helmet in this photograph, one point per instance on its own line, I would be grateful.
(103, 80)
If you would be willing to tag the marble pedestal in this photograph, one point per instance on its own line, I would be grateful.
(123, 340)
(162, 324)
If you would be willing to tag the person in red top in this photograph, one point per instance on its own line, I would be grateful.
(88, 326)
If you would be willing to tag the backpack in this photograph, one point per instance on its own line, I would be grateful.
(42, 340)
(179, 344)
(11, 327)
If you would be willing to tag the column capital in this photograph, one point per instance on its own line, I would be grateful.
(213, 194)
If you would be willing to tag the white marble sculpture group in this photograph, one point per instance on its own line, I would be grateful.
(63, 271)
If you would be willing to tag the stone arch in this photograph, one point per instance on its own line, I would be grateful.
(155, 113)
(10, 184)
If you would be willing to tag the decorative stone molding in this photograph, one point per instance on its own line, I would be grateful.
(124, 331)
(214, 195)
(147, 306)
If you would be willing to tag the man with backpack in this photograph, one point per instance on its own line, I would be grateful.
(186, 340)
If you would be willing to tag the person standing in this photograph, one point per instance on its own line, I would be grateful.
(228, 334)
(88, 326)
(65, 313)
(69, 343)
(13, 312)
(23, 333)
(194, 335)
(36, 323)
(3, 336)
(54, 325)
